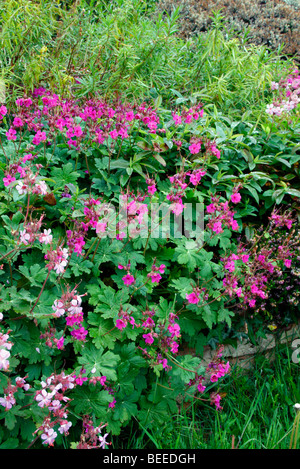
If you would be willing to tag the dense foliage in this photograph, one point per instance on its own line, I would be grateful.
(136, 228)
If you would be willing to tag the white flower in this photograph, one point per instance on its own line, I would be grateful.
(24, 237)
(60, 267)
(22, 188)
(65, 425)
(58, 308)
(4, 363)
(49, 436)
(41, 187)
(43, 398)
(46, 237)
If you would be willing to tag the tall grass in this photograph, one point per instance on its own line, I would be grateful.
(258, 413)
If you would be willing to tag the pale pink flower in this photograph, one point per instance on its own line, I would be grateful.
(49, 437)
(7, 401)
(4, 363)
(46, 237)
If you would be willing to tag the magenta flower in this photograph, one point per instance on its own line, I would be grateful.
(128, 279)
(11, 134)
(121, 324)
(193, 298)
(79, 334)
(217, 227)
(7, 180)
(148, 338)
(195, 148)
(236, 197)
(112, 404)
(151, 189)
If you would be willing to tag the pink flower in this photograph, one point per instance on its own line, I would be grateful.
(3, 111)
(174, 330)
(201, 388)
(64, 426)
(148, 338)
(151, 189)
(102, 380)
(128, 279)
(217, 227)
(193, 298)
(211, 208)
(236, 198)
(46, 237)
(39, 137)
(8, 180)
(234, 225)
(60, 343)
(129, 116)
(11, 134)
(174, 347)
(4, 363)
(215, 151)
(112, 404)
(43, 398)
(195, 148)
(121, 324)
(79, 334)
(155, 277)
(245, 258)
(178, 208)
(114, 134)
(177, 119)
(17, 122)
(288, 262)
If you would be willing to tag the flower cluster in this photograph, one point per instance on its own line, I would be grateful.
(215, 370)
(156, 271)
(57, 259)
(220, 215)
(248, 272)
(188, 115)
(91, 436)
(288, 91)
(8, 401)
(179, 184)
(69, 306)
(52, 396)
(5, 346)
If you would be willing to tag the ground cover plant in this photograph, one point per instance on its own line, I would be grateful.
(135, 230)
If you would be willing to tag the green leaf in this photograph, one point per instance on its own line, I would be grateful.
(87, 401)
(105, 363)
(64, 175)
(126, 408)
